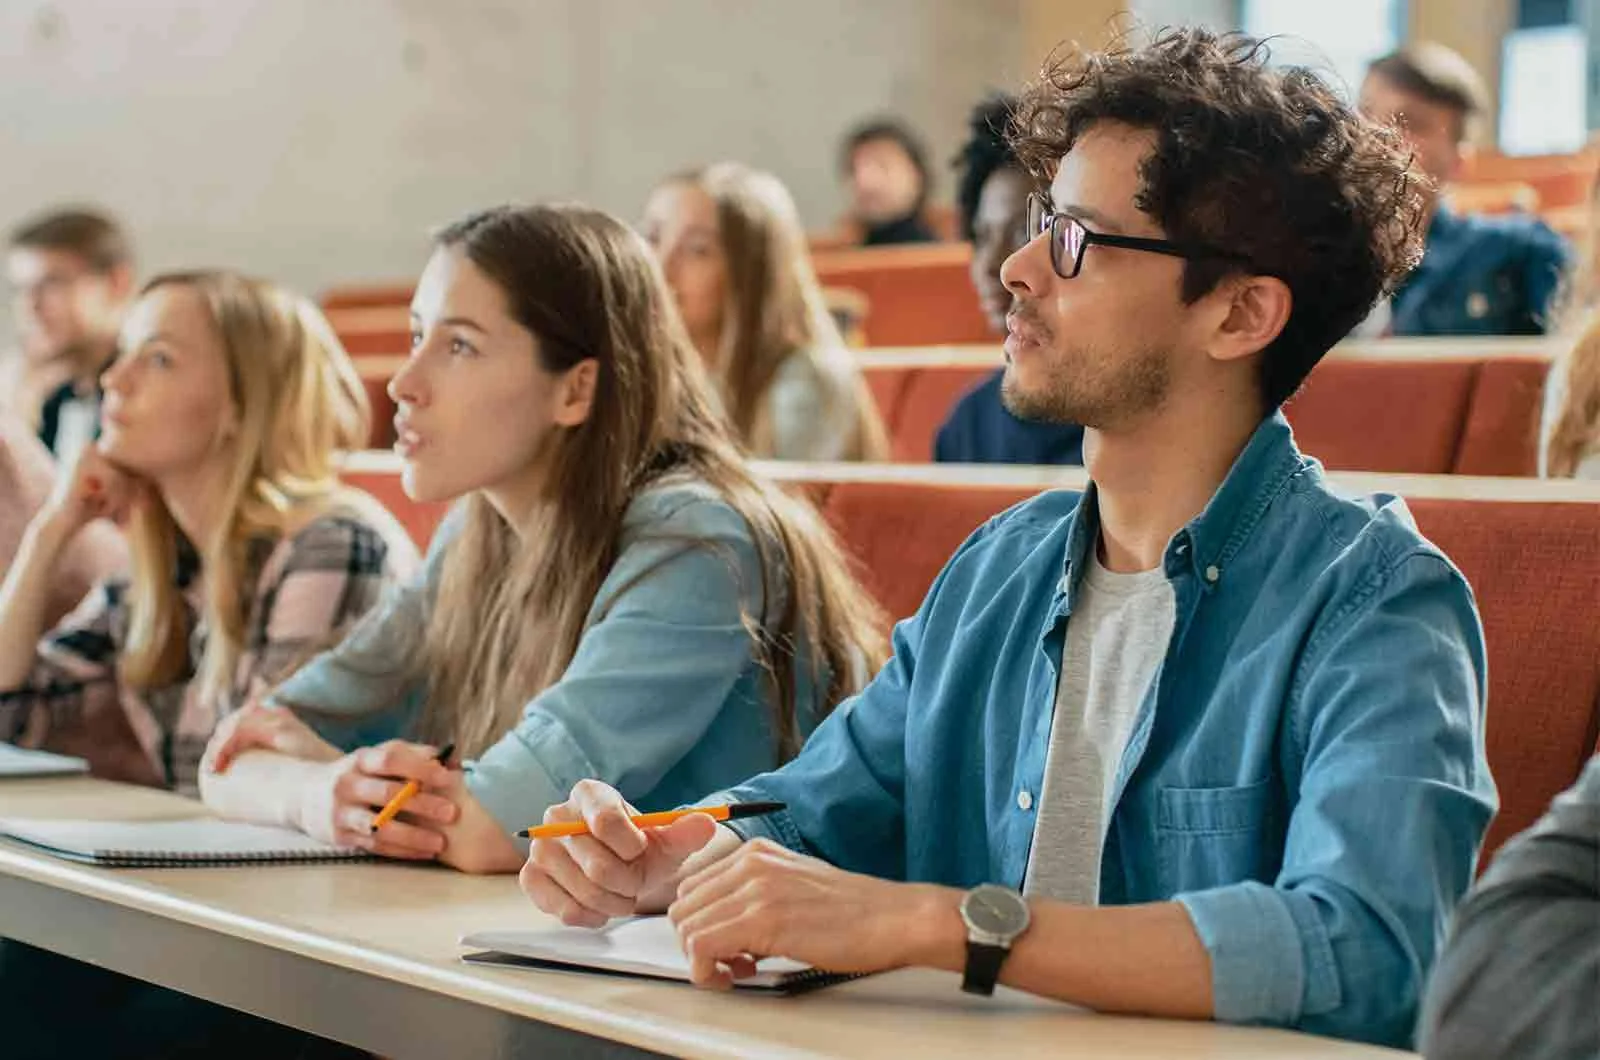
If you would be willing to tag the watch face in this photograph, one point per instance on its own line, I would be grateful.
(995, 911)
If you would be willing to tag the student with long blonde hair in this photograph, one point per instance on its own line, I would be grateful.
(620, 596)
(223, 419)
(735, 257)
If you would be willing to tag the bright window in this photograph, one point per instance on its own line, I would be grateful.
(1542, 91)
(1337, 37)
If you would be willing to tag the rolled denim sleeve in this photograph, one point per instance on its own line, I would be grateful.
(667, 644)
(1393, 798)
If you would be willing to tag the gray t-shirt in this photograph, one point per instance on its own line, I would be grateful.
(1117, 638)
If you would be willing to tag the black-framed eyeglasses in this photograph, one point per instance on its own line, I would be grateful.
(1069, 239)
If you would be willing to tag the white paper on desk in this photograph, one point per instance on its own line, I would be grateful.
(193, 841)
(21, 762)
(646, 946)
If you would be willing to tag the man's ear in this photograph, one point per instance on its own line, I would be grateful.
(575, 393)
(1258, 308)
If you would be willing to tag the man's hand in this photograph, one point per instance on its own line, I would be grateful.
(618, 869)
(767, 901)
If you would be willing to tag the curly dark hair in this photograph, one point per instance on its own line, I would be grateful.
(1265, 162)
(986, 152)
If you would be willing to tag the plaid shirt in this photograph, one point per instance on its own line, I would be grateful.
(310, 588)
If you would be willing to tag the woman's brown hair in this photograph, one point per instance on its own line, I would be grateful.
(513, 603)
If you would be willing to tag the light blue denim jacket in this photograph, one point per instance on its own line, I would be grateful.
(663, 698)
(1306, 774)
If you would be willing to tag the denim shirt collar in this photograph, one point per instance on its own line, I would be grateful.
(1209, 541)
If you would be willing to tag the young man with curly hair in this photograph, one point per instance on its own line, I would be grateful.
(1204, 741)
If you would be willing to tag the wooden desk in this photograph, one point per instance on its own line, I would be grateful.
(367, 954)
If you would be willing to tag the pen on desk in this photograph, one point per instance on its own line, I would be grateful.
(398, 803)
(656, 820)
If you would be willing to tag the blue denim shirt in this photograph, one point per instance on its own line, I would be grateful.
(664, 698)
(1306, 774)
(1482, 276)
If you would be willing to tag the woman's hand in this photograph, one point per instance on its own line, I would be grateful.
(91, 488)
(256, 727)
(340, 800)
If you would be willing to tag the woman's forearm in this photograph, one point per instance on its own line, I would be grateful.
(260, 786)
(25, 598)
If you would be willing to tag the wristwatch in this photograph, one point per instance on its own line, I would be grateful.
(995, 917)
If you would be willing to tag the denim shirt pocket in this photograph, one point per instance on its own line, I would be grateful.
(1208, 837)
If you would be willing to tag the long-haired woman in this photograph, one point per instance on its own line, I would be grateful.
(224, 418)
(618, 594)
(734, 254)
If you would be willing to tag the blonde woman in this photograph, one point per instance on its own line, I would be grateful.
(621, 596)
(223, 418)
(734, 254)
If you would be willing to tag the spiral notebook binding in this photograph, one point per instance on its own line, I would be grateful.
(138, 859)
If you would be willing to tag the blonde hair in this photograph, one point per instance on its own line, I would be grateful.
(297, 403)
(1574, 430)
(775, 307)
(511, 607)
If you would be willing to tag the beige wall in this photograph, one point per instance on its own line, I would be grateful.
(318, 140)
(1474, 28)
(1048, 23)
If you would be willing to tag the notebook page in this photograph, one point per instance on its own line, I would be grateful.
(21, 762)
(196, 838)
(636, 946)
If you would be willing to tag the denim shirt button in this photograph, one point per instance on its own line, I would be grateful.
(1024, 801)
(1212, 574)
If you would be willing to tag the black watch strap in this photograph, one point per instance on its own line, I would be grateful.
(983, 967)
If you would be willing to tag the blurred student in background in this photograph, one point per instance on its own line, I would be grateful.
(734, 254)
(1479, 275)
(886, 172)
(71, 277)
(993, 200)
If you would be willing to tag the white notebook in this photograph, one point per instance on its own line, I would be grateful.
(194, 841)
(644, 946)
(21, 762)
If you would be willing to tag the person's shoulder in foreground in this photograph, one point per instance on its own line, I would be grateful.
(1519, 977)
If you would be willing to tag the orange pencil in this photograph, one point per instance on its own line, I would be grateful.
(403, 796)
(657, 820)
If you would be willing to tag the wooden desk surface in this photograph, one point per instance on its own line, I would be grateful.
(399, 924)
